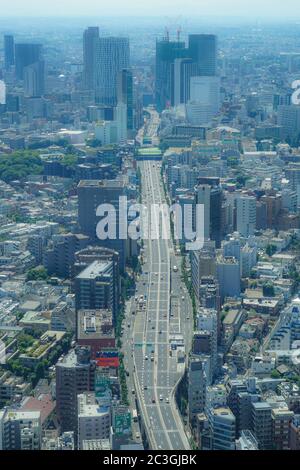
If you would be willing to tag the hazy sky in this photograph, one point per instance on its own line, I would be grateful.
(245, 8)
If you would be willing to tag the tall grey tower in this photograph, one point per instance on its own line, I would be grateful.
(112, 56)
(90, 42)
(9, 51)
(203, 51)
(125, 94)
(26, 54)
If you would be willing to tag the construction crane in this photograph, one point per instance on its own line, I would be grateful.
(178, 33)
(167, 33)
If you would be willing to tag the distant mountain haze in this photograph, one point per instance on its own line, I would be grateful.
(230, 8)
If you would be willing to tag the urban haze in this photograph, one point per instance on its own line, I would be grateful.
(184, 118)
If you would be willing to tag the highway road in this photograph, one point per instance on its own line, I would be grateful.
(150, 127)
(161, 308)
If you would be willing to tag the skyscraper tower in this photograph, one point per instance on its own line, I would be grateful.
(26, 54)
(203, 50)
(112, 56)
(93, 193)
(34, 79)
(166, 53)
(90, 42)
(209, 193)
(74, 375)
(125, 94)
(9, 51)
(184, 70)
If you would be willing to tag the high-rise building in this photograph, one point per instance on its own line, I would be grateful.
(203, 264)
(90, 42)
(75, 374)
(34, 79)
(184, 69)
(59, 258)
(2, 94)
(273, 202)
(26, 54)
(204, 102)
(244, 408)
(262, 424)
(121, 121)
(246, 215)
(125, 95)
(295, 433)
(166, 53)
(87, 256)
(282, 418)
(229, 277)
(112, 56)
(222, 428)
(209, 194)
(207, 320)
(196, 387)
(209, 295)
(94, 287)
(95, 330)
(93, 193)
(20, 430)
(247, 441)
(93, 420)
(203, 51)
(9, 51)
(289, 120)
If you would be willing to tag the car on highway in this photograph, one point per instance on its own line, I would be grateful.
(153, 400)
(146, 358)
(167, 400)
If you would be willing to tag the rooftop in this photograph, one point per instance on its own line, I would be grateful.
(97, 268)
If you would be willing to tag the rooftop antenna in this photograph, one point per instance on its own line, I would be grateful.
(167, 33)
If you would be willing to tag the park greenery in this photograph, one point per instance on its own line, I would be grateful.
(37, 274)
(41, 369)
(19, 165)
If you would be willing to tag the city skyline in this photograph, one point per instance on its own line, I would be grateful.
(150, 229)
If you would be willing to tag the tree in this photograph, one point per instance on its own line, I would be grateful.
(94, 143)
(19, 165)
(270, 250)
(37, 274)
(70, 160)
(275, 374)
(268, 290)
